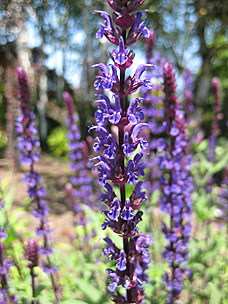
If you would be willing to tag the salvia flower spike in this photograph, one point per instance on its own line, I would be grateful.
(153, 107)
(5, 265)
(28, 143)
(83, 184)
(116, 147)
(176, 185)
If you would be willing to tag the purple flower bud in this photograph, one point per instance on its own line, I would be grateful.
(31, 253)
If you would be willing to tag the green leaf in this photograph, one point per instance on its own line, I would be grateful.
(221, 164)
(39, 289)
(215, 294)
(5, 182)
(202, 146)
(89, 291)
(9, 198)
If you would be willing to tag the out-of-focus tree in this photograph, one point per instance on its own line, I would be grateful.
(64, 30)
(192, 33)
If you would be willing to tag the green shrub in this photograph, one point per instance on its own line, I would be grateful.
(57, 142)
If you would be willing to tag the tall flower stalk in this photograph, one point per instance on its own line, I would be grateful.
(84, 188)
(176, 189)
(119, 164)
(153, 107)
(28, 144)
(5, 264)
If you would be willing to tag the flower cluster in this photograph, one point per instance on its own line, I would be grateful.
(176, 185)
(84, 188)
(5, 265)
(28, 142)
(118, 163)
(31, 253)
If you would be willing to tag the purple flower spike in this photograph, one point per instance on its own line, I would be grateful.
(117, 145)
(5, 265)
(82, 184)
(28, 143)
(176, 187)
(153, 108)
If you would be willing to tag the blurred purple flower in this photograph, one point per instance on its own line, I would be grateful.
(28, 143)
(176, 185)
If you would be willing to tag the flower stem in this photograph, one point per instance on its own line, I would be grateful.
(33, 285)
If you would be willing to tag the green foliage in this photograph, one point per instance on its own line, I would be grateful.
(3, 142)
(57, 142)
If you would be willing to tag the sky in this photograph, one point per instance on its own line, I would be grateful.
(73, 72)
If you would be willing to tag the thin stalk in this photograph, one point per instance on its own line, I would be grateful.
(122, 167)
(172, 145)
(54, 284)
(3, 277)
(45, 240)
(33, 285)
